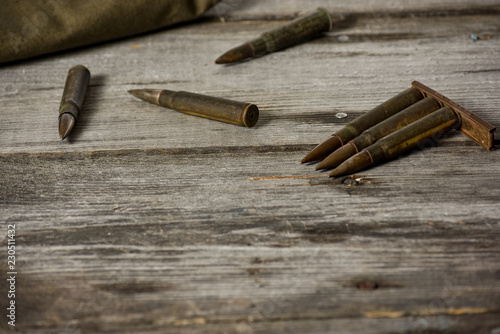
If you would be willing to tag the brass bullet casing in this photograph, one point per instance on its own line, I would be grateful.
(215, 108)
(364, 122)
(74, 92)
(382, 129)
(428, 127)
(299, 30)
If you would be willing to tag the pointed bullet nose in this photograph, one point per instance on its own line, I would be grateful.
(222, 60)
(339, 171)
(237, 54)
(355, 163)
(66, 123)
(321, 165)
(339, 156)
(135, 92)
(323, 149)
(148, 95)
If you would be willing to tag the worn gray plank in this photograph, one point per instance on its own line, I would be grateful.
(299, 90)
(258, 9)
(226, 183)
(141, 240)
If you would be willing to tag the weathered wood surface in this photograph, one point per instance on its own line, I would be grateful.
(151, 221)
(239, 9)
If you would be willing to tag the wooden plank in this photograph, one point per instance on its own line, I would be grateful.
(272, 9)
(224, 183)
(148, 289)
(139, 240)
(345, 72)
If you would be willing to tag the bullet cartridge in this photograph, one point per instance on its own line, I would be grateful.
(74, 92)
(428, 127)
(300, 30)
(382, 129)
(364, 122)
(219, 109)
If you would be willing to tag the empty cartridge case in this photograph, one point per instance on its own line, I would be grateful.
(430, 126)
(300, 30)
(364, 122)
(219, 109)
(382, 129)
(74, 92)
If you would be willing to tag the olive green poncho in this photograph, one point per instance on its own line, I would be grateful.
(34, 27)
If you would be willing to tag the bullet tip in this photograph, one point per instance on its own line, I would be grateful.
(355, 163)
(319, 166)
(305, 159)
(149, 95)
(323, 149)
(237, 54)
(134, 92)
(221, 60)
(339, 171)
(339, 156)
(66, 123)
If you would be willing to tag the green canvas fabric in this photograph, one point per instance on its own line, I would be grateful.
(34, 27)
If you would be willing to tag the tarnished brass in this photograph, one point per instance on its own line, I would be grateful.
(370, 136)
(428, 127)
(364, 122)
(219, 109)
(74, 92)
(300, 30)
(472, 126)
(383, 140)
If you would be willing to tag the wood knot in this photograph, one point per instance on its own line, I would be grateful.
(253, 271)
(367, 286)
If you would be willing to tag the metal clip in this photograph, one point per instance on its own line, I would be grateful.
(472, 126)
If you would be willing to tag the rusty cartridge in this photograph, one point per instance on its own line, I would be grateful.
(428, 127)
(364, 122)
(219, 109)
(74, 92)
(382, 129)
(299, 30)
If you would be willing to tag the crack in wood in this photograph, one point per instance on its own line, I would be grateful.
(215, 150)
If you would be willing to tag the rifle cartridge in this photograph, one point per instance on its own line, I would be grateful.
(428, 127)
(74, 92)
(364, 122)
(370, 136)
(215, 108)
(299, 30)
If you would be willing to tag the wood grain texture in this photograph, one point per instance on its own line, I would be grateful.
(152, 221)
(349, 71)
(277, 9)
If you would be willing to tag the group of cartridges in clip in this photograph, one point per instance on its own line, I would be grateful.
(410, 118)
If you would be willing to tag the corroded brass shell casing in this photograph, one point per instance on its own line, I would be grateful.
(380, 130)
(299, 30)
(364, 122)
(74, 92)
(428, 127)
(219, 109)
